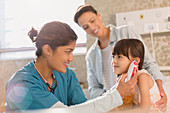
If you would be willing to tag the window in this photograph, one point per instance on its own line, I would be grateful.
(21, 15)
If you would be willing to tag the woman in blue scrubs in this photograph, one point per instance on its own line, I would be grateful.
(47, 82)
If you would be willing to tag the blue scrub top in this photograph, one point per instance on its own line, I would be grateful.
(26, 90)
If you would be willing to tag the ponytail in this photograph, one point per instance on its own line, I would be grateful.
(33, 33)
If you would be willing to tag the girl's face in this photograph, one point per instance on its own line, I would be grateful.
(91, 23)
(121, 64)
(61, 57)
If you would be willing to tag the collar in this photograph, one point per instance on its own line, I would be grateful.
(96, 44)
(112, 36)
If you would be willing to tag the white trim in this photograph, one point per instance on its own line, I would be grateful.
(16, 49)
(164, 68)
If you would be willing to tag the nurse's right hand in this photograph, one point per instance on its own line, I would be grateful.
(127, 88)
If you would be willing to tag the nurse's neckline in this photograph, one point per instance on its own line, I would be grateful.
(49, 86)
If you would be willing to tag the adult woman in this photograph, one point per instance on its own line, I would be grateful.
(100, 53)
(48, 83)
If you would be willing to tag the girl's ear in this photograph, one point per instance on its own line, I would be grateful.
(137, 59)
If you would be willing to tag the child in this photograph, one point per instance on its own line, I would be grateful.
(126, 51)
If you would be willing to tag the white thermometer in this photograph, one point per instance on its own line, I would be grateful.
(132, 70)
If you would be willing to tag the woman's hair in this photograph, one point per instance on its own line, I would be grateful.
(130, 47)
(82, 9)
(54, 34)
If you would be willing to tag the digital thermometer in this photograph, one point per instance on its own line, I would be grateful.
(132, 70)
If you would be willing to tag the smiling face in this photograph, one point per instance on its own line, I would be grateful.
(61, 57)
(124, 52)
(91, 23)
(121, 64)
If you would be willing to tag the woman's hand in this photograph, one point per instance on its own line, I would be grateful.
(127, 88)
(162, 103)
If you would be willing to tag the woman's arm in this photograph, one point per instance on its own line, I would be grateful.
(109, 100)
(95, 88)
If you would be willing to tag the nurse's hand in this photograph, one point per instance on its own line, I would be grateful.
(127, 88)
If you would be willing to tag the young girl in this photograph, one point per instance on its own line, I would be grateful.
(126, 51)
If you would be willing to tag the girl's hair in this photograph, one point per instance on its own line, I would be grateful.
(82, 9)
(54, 34)
(130, 47)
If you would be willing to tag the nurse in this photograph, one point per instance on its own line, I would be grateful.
(47, 82)
(100, 77)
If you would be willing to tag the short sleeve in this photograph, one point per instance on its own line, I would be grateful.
(75, 93)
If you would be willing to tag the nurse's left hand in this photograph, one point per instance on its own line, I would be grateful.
(162, 103)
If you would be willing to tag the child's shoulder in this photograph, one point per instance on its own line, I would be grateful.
(144, 74)
(142, 71)
(145, 78)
